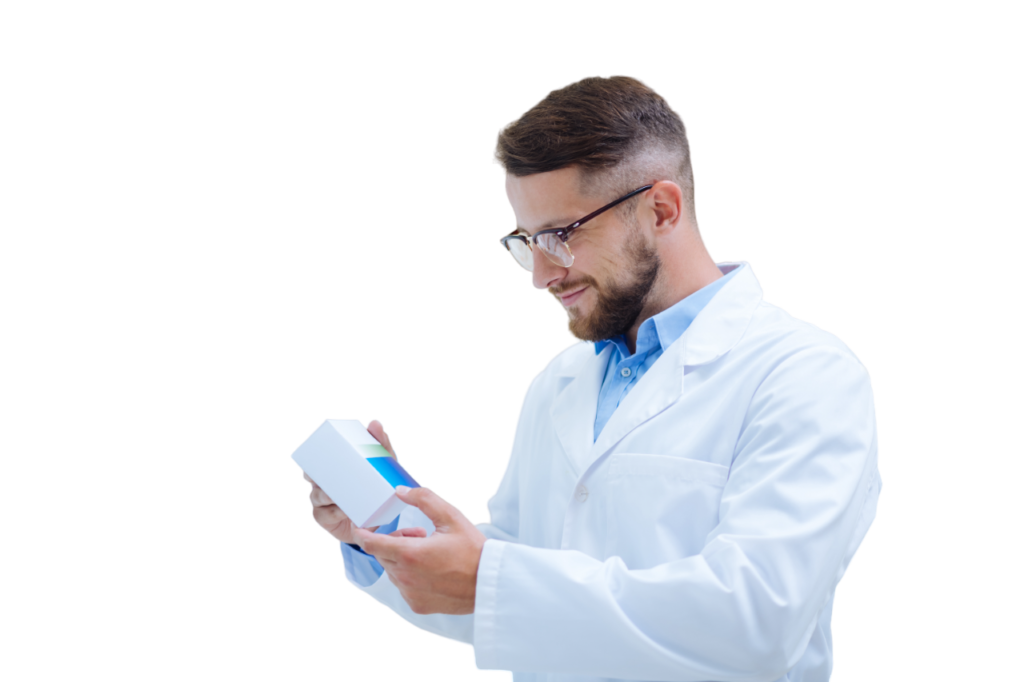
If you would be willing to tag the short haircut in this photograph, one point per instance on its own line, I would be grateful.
(617, 131)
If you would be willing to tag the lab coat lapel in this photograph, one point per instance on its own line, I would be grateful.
(656, 390)
(575, 408)
(714, 331)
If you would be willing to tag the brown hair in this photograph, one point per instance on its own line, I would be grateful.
(615, 127)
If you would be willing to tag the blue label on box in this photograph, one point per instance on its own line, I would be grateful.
(392, 471)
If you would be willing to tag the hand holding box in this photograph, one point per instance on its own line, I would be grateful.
(355, 471)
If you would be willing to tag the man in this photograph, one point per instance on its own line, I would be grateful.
(685, 489)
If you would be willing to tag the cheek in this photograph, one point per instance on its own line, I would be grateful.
(606, 263)
(594, 257)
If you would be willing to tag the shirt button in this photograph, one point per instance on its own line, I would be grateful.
(581, 493)
(626, 371)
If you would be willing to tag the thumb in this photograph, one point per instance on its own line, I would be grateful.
(377, 431)
(442, 514)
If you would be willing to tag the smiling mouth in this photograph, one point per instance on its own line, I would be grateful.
(568, 299)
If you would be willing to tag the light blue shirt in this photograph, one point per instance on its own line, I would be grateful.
(655, 335)
(623, 372)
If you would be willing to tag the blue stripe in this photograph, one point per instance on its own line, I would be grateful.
(392, 471)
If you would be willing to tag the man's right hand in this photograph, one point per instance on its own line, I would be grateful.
(328, 514)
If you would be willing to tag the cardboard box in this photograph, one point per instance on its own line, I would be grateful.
(355, 471)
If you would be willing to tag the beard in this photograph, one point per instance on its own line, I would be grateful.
(618, 304)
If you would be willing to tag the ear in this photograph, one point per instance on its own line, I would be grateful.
(665, 199)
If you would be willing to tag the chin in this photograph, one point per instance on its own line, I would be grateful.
(584, 333)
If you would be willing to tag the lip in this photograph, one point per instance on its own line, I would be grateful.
(568, 299)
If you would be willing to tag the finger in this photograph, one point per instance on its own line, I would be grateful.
(306, 476)
(329, 518)
(319, 498)
(377, 430)
(415, 532)
(437, 509)
(409, 533)
(379, 545)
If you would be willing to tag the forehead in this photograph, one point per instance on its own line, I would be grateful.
(544, 200)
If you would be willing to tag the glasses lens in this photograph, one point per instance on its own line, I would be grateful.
(555, 249)
(521, 252)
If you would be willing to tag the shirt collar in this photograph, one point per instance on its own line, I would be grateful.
(662, 330)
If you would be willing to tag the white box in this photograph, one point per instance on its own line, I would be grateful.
(355, 471)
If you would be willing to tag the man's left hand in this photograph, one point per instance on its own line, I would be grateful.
(435, 574)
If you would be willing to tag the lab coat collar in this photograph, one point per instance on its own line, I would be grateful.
(722, 322)
(717, 328)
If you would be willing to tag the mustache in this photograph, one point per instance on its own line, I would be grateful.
(585, 280)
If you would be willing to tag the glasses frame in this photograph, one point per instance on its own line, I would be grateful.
(563, 233)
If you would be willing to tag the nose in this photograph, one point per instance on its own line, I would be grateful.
(545, 273)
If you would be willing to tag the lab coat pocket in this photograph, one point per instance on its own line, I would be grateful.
(661, 507)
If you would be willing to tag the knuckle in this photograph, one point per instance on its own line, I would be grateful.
(320, 498)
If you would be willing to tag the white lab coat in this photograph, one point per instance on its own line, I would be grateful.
(702, 536)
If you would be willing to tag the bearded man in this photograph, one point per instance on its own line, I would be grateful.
(687, 485)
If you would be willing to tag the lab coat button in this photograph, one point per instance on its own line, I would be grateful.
(581, 493)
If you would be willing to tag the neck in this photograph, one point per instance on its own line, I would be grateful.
(679, 276)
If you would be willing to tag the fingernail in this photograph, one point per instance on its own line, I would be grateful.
(401, 489)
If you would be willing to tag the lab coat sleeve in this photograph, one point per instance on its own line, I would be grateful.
(799, 498)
